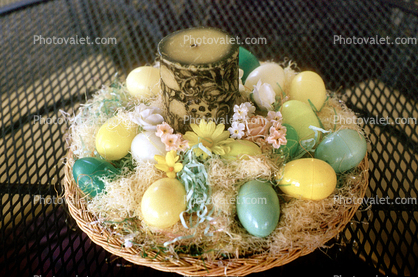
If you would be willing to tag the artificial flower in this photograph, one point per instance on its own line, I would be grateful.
(128, 239)
(276, 137)
(275, 116)
(169, 164)
(171, 141)
(264, 96)
(240, 113)
(237, 130)
(147, 117)
(279, 127)
(212, 136)
(128, 244)
(257, 126)
(250, 108)
(163, 129)
(183, 145)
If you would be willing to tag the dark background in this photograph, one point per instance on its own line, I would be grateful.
(40, 238)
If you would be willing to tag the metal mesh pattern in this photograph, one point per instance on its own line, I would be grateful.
(38, 80)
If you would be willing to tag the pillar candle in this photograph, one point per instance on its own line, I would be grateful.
(199, 76)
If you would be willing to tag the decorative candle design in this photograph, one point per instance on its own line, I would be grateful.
(199, 76)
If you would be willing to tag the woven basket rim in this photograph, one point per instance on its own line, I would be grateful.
(185, 264)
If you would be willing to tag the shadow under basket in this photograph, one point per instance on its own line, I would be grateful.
(191, 265)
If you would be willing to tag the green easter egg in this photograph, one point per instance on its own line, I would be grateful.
(247, 62)
(258, 208)
(292, 138)
(300, 116)
(88, 172)
(343, 150)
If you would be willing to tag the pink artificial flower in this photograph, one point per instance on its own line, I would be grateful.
(279, 127)
(257, 126)
(277, 138)
(171, 141)
(163, 129)
(183, 145)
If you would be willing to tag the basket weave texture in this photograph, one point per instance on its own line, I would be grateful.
(193, 265)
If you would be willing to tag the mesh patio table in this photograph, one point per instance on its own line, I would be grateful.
(42, 78)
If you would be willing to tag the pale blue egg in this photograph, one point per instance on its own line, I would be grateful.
(343, 150)
(258, 208)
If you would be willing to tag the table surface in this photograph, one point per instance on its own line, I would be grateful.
(43, 78)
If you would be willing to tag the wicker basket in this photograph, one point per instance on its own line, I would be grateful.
(191, 265)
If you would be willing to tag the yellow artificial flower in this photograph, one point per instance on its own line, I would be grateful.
(212, 136)
(169, 164)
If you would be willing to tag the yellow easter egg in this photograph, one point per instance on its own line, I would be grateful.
(300, 116)
(114, 138)
(163, 202)
(144, 82)
(308, 179)
(308, 85)
(241, 149)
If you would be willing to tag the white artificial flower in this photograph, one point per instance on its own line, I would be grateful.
(275, 116)
(264, 96)
(240, 113)
(147, 117)
(250, 108)
(128, 240)
(128, 243)
(237, 130)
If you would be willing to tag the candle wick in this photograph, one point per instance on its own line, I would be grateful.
(194, 45)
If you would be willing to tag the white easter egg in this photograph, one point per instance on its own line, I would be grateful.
(270, 73)
(145, 145)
